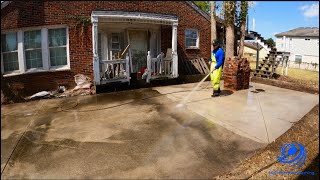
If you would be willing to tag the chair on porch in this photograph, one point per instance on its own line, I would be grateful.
(167, 61)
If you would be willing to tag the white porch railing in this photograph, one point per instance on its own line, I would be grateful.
(161, 67)
(158, 67)
(116, 70)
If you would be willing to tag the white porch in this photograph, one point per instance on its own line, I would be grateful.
(113, 31)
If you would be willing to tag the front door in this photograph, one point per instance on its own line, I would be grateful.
(138, 48)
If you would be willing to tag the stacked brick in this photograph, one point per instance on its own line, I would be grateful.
(236, 73)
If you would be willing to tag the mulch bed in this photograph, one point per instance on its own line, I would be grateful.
(289, 83)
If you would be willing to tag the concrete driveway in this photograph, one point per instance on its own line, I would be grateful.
(140, 134)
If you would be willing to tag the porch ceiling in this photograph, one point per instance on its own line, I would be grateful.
(134, 17)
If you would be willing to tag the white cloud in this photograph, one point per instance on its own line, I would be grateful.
(252, 4)
(310, 11)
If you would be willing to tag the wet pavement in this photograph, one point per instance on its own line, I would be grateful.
(138, 134)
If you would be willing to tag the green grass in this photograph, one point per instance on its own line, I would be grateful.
(299, 74)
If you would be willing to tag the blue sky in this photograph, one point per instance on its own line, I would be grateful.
(272, 17)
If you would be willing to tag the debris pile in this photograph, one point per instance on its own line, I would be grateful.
(84, 87)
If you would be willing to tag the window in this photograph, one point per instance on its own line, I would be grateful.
(117, 43)
(57, 46)
(33, 50)
(32, 46)
(10, 52)
(298, 59)
(192, 38)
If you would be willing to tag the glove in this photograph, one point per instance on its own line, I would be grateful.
(213, 70)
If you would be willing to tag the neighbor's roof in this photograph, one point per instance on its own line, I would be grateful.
(252, 45)
(301, 32)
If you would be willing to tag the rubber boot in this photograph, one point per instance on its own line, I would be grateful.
(216, 93)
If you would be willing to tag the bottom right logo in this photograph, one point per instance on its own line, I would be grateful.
(293, 154)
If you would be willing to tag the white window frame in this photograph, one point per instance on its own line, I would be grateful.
(61, 67)
(45, 51)
(24, 52)
(2, 63)
(197, 42)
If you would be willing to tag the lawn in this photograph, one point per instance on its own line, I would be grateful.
(299, 74)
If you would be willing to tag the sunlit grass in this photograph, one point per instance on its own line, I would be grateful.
(299, 74)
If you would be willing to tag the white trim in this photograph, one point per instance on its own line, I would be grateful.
(31, 71)
(136, 17)
(16, 51)
(21, 56)
(67, 48)
(67, 66)
(45, 48)
(197, 41)
(32, 28)
(5, 3)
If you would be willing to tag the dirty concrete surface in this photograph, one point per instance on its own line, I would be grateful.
(136, 134)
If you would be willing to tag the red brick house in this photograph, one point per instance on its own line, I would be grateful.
(44, 44)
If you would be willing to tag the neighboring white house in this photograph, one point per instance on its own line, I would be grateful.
(302, 43)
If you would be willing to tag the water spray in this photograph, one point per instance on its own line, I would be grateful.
(184, 100)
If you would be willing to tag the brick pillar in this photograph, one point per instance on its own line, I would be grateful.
(236, 73)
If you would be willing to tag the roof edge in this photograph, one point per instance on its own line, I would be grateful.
(5, 3)
(195, 7)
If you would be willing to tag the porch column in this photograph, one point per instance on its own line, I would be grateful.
(174, 51)
(96, 70)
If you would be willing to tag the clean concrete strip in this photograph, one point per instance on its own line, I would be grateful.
(263, 116)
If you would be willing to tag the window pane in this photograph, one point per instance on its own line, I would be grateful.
(191, 34)
(115, 37)
(58, 56)
(191, 42)
(10, 61)
(32, 39)
(9, 42)
(188, 33)
(298, 58)
(115, 46)
(57, 37)
(34, 58)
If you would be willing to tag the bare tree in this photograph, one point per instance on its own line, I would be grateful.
(229, 16)
(242, 20)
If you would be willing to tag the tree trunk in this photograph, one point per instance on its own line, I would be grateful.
(9, 95)
(229, 41)
(213, 23)
(242, 36)
(243, 21)
(229, 16)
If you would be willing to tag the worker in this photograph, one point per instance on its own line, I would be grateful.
(216, 64)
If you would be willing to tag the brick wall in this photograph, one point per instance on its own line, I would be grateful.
(33, 13)
(236, 73)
